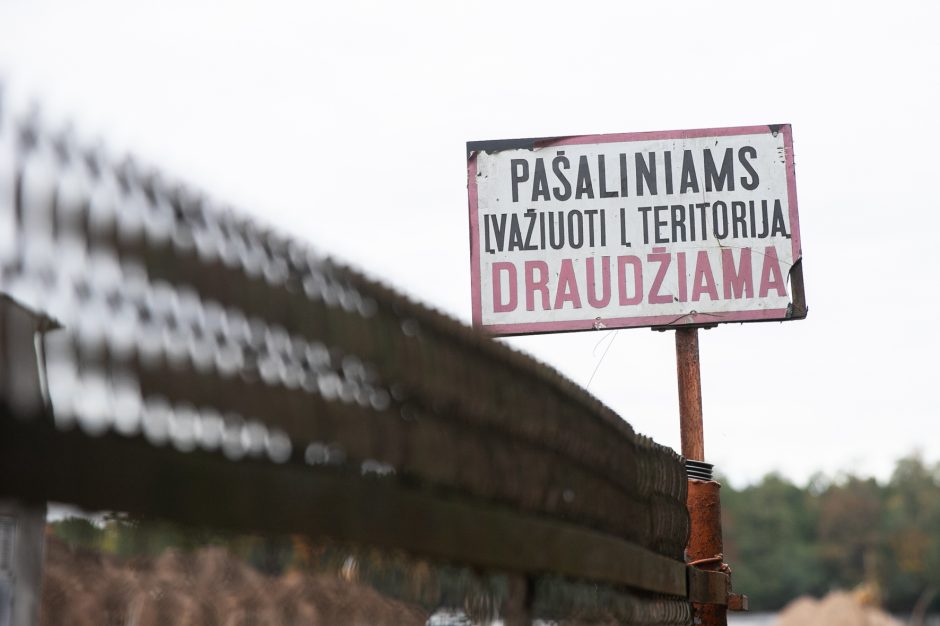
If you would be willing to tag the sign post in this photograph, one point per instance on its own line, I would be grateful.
(690, 394)
(705, 547)
(669, 230)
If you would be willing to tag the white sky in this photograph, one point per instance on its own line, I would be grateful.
(345, 125)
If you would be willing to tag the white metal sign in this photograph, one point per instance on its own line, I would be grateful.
(643, 229)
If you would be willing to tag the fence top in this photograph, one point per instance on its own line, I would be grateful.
(195, 338)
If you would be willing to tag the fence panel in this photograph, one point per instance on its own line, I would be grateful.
(194, 366)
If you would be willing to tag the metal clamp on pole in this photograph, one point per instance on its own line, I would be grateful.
(709, 576)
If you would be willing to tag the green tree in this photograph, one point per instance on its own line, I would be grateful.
(79, 531)
(849, 535)
(912, 532)
(769, 531)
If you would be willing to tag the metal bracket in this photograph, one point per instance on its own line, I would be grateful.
(708, 587)
(737, 602)
(713, 587)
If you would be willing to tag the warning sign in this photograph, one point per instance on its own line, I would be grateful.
(645, 229)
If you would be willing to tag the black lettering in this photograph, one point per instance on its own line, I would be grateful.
(519, 169)
(486, 230)
(702, 207)
(602, 178)
(667, 165)
(689, 177)
(560, 242)
(678, 222)
(715, 180)
(659, 223)
(515, 234)
(499, 229)
(571, 229)
(754, 180)
(723, 222)
(584, 185)
(779, 226)
(645, 173)
(540, 182)
(624, 187)
(558, 162)
(590, 215)
(738, 217)
(623, 229)
(765, 220)
(645, 211)
(528, 234)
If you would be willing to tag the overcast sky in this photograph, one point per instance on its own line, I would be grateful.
(345, 125)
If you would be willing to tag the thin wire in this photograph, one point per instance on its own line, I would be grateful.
(608, 335)
(601, 360)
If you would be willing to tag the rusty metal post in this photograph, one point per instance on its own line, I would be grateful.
(690, 394)
(704, 549)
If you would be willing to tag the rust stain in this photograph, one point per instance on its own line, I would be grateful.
(705, 548)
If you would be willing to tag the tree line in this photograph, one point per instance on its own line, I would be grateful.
(783, 540)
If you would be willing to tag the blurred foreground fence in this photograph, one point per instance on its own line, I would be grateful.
(164, 356)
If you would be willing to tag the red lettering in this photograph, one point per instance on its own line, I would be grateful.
(593, 300)
(567, 290)
(737, 283)
(683, 278)
(532, 285)
(622, 263)
(660, 256)
(770, 276)
(704, 281)
(498, 305)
